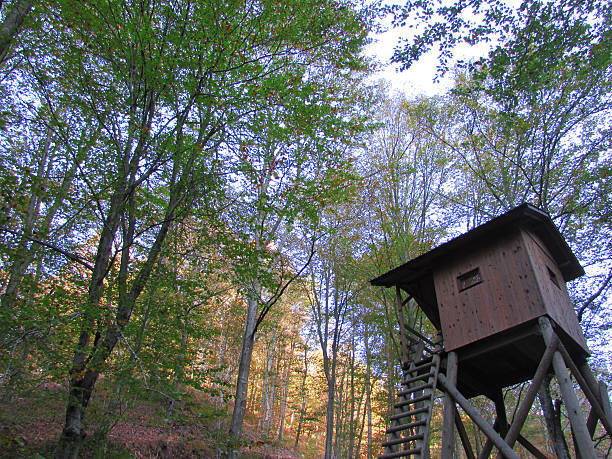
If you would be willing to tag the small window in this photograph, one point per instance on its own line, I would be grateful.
(469, 279)
(553, 277)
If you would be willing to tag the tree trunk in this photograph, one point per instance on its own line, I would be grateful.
(285, 392)
(303, 409)
(85, 368)
(329, 417)
(339, 408)
(368, 388)
(11, 25)
(353, 417)
(267, 393)
(82, 379)
(244, 367)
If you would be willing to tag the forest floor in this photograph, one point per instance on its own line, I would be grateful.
(30, 426)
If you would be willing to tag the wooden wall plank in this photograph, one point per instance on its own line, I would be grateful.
(507, 296)
(554, 292)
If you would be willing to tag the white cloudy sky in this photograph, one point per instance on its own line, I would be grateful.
(419, 78)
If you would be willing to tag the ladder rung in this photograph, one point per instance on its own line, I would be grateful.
(409, 452)
(423, 360)
(422, 363)
(422, 377)
(414, 389)
(410, 402)
(401, 427)
(399, 441)
(420, 367)
(409, 413)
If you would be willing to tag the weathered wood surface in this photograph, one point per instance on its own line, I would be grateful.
(473, 413)
(449, 410)
(577, 421)
(507, 296)
(553, 291)
(519, 282)
(523, 410)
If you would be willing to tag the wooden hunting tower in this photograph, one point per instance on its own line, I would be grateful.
(497, 297)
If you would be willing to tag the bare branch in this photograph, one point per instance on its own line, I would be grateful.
(70, 256)
(602, 288)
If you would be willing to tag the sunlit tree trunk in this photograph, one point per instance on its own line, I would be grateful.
(285, 391)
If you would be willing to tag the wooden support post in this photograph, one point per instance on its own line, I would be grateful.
(485, 452)
(531, 448)
(521, 413)
(425, 451)
(400, 312)
(463, 435)
(603, 395)
(579, 428)
(600, 402)
(593, 418)
(590, 390)
(592, 423)
(477, 418)
(500, 412)
(448, 423)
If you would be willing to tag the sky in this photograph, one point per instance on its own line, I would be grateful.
(418, 80)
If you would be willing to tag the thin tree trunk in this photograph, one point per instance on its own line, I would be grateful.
(329, 415)
(339, 425)
(352, 415)
(368, 387)
(360, 421)
(286, 375)
(303, 408)
(244, 367)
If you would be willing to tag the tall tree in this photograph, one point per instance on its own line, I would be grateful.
(163, 85)
(291, 161)
(533, 117)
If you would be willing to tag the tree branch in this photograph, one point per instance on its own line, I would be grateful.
(70, 256)
(594, 296)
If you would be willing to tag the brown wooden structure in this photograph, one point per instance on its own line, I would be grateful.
(497, 297)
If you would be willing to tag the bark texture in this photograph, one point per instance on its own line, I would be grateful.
(11, 25)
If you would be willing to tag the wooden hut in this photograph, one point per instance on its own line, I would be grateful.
(497, 297)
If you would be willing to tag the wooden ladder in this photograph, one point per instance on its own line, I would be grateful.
(408, 435)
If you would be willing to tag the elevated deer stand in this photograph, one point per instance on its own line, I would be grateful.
(498, 299)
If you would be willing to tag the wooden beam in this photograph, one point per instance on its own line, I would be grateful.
(500, 412)
(449, 410)
(463, 435)
(400, 313)
(432, 382)
(579, 428)
(485, 452)
(603, 394)
(591, 389)
(489, 345)
(520, 415)
(592, 394)
(419, 335)
(531, 448)
(473, 413)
